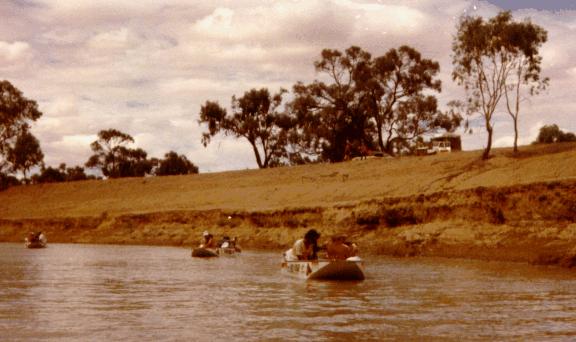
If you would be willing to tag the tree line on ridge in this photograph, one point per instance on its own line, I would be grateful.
(360, 102)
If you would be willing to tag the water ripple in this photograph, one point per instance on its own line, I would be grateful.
(101, 293)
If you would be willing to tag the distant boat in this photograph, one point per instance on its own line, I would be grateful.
(350, 269)
(39, 242)
(201, 252)
(226, 247)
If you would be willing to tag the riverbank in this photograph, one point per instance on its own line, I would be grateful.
(509, 208)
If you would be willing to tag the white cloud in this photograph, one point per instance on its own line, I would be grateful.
(225, 153)
(392, 19)
(219, 24)
(69, 149)
(63, 106)
(121, 38)
(525, 136)
(13, 53)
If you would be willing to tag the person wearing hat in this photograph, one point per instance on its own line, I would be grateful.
(207, 240)
(306, 248)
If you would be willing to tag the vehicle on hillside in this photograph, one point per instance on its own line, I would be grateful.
(448, 142)
(439, 147)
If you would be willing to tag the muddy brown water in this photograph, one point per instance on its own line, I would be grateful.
(72, 292)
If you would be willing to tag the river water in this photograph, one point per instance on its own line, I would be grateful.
(70, 292)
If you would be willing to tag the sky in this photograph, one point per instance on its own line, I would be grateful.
(145, 67)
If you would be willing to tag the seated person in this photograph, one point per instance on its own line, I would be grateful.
(353, 248)
(338, 249)
(208, 240)
(236, 245)
(306, 248)
(231, 245)
(41, 237)
(225, 242)
(31, 237)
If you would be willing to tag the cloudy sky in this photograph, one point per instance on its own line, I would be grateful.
(145, 67)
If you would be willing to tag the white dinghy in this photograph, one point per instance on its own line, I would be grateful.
(323, 269)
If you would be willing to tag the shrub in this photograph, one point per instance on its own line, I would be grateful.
(367, 218)
(396, 217)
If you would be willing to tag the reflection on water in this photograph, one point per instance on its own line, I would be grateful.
(97, 293)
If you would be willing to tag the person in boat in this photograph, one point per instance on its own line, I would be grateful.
(353, 248)
(207, 240)
(306, 248)
(41, 237)
(338, 249)
(31, 237)
(36, 237)
(236, 245)
(226, 242)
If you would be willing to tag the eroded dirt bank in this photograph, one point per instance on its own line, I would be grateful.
(533, 223)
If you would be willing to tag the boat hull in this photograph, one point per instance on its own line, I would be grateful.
(325, 269)
(203, 253)
(227, 251)
(35, 244)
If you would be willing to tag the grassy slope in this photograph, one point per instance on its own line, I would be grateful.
(302, 186)
(364, 199)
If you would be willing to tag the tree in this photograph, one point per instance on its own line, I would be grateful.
(174, 164)
(75, 173)
(50, 175)
(331, 115)
(107, 151)
(523, 41)
(60, 174)
(116, 160)
(7, 181)
(254, 117)
(25, 154)
(364, 99)
(552, 133)
(396, 101)
(486, 55)
(133, 162)
(420, 116)
(16, 113)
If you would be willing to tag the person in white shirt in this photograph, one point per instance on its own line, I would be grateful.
(306, 248)
(42, 237)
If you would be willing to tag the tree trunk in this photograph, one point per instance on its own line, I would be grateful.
(490, 130)
(389, 148)
(380, 140)
(257, 154)
(515, 134)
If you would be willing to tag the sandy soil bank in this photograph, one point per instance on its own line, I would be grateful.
(520, 208)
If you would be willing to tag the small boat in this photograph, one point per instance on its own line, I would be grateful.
(35, 243)
(349, 269)
(201, 252)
